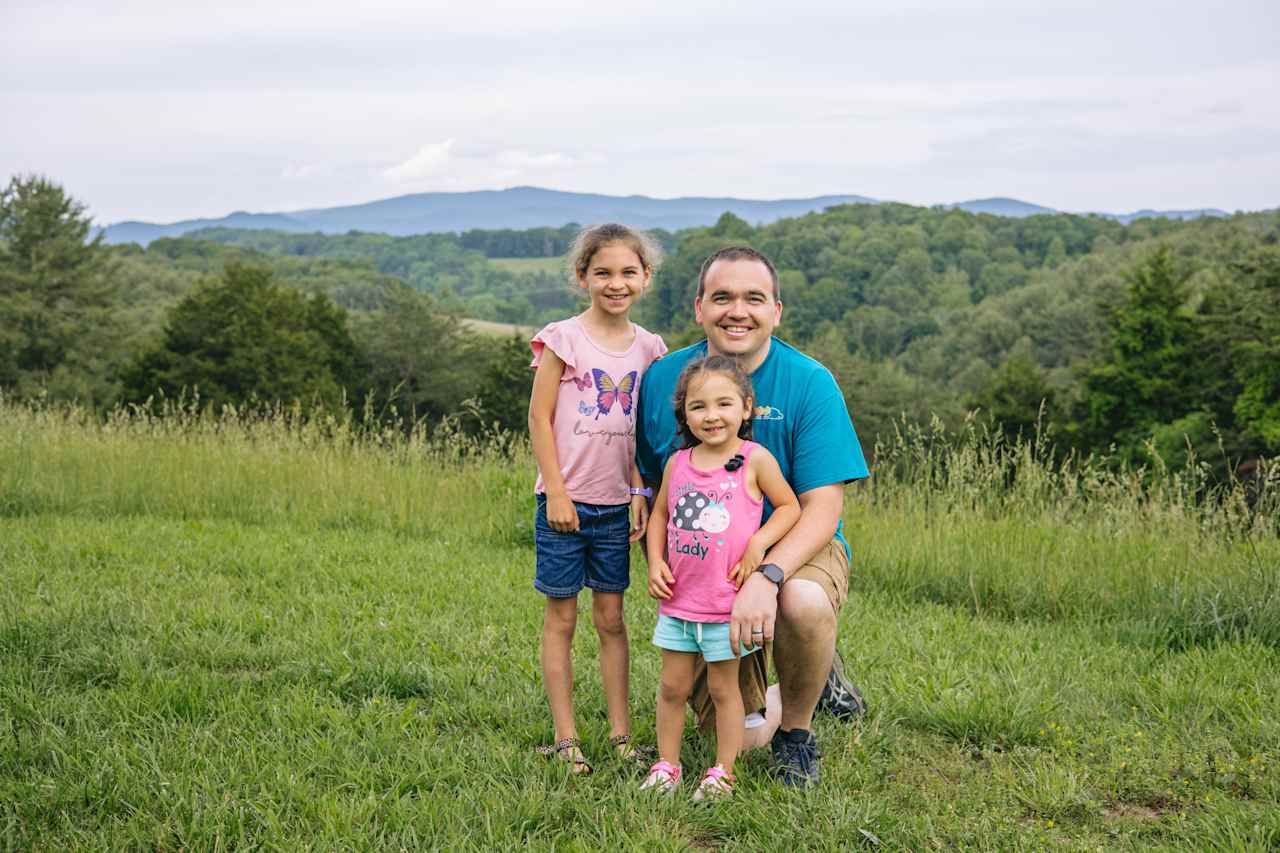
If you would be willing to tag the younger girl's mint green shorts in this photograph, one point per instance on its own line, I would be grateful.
(711, 639)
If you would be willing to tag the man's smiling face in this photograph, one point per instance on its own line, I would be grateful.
(737, 310)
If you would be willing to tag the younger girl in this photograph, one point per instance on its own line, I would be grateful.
(590, 500)
(704, 540)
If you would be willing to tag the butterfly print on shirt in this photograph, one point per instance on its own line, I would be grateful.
(609, 392)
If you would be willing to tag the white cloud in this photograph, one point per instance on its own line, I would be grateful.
(523, 160)
(427, 163)
(451, 166)
(305, 171)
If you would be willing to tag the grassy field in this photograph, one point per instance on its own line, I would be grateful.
(236, 634)
(498, 330)
(553, 265)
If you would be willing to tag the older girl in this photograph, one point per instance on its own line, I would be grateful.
(590, 498)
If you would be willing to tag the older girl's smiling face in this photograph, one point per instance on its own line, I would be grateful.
(615, 278)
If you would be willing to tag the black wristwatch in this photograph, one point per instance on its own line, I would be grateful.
(772, 572)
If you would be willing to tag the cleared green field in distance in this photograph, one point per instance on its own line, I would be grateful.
(232, 634)
(495, 329)
(554, 265)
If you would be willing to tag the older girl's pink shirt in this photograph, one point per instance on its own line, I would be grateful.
(594, 422)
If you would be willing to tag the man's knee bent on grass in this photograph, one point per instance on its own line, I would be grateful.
(804, 645)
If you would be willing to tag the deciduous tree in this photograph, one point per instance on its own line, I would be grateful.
(245, 339)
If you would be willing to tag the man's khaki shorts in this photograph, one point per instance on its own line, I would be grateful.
(829, 568)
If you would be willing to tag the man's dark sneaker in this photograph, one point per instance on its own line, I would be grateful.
(839, 697)
(795, 757)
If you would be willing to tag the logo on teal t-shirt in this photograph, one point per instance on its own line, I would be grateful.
(805, 423)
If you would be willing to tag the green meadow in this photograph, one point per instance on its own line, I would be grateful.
(289, 634)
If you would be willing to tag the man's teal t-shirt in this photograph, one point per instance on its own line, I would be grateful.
(801, 417)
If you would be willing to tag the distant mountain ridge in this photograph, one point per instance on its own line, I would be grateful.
(1016, 208)
(516, 208)
(1001, 207)
(1126, 218)
(533, 207)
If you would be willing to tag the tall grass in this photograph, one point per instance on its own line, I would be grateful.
(968, 519)
(1012, 529)
(980, 470)
(305, 468)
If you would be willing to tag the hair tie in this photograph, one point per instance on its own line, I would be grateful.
(735, 463)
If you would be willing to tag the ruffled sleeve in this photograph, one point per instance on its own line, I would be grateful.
(559, 340)
(657, 348)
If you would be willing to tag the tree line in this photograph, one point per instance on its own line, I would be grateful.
(195, 319)
(1132, 340)
(1135, 341)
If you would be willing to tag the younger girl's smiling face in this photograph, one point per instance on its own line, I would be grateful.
(714, 408)
(615, 278)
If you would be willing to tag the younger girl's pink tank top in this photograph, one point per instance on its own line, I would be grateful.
(711, 517)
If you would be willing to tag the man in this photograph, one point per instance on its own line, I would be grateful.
(793, 599)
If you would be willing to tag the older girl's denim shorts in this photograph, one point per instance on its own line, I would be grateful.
(597, 555)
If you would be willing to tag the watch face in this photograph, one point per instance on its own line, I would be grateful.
(772, 572)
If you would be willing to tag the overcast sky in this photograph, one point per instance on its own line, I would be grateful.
(165, 109)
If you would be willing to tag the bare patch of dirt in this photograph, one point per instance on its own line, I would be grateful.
(1140, 811)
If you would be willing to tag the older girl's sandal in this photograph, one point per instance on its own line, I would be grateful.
(627, 751)
(570, 750)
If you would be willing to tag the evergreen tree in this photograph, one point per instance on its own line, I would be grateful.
(1148, 379)
(57, 333)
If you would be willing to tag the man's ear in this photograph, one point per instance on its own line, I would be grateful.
(697, 310)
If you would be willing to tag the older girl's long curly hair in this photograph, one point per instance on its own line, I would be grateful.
(723, 364)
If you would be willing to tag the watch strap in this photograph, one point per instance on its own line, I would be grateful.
(775, 576)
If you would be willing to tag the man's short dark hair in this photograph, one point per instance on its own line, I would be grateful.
(737, 253)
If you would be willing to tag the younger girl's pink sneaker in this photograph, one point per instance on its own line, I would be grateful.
(716, 785)
(664, 777)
